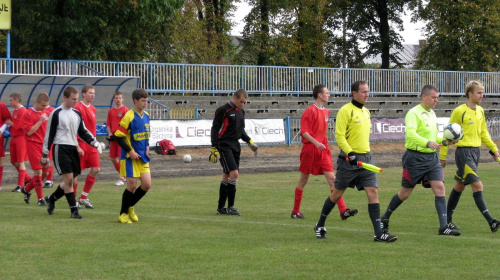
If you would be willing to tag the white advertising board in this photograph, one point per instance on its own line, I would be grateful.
(197, 132)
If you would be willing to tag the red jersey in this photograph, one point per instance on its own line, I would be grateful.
(30, 118)
(49, 110)
(4, 113)
(17, 119)
(315, 122)
(115, 115)
(88, 117)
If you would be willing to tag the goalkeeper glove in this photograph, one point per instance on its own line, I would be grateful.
(254, 147)
(353, 160)
(99, 146)
(214, 155)
(3, 128)
(45, 161)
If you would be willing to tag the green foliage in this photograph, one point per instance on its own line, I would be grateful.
(462, 35)
(179, 236)
(89, 30)
(198, 33)
(322, 33)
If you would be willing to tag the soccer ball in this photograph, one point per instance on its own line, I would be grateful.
(187, 158)
(453, 132)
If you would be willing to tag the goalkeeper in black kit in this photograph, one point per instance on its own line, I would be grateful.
(228, 128)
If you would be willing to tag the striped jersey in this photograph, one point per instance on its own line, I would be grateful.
(135, 129)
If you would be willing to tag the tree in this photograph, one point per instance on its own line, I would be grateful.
(90, 29)
(462, 35)
(371, 22)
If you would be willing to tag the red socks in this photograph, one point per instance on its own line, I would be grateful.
(298, 200)
(89, 183)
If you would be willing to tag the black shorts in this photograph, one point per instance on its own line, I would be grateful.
(350, 176)
(420, 167)
(467, 160)
(66, 159)
(229, 155)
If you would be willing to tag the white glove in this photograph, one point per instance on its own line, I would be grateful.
(99, 146)
(45, 162)
(3, 128)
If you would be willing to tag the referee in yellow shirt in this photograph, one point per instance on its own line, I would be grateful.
(352, 132)
(471, 117)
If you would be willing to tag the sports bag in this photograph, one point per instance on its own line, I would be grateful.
(165, 147)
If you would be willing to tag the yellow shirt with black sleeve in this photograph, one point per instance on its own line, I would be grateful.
(352, 128)
(421, 127)
(473, 124)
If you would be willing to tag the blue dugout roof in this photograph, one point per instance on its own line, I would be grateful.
(30, 85)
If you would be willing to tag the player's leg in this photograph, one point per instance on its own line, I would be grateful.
(299, 191)
(114, 156)
(49, 177)
(374, 213)
(94, 164)
(328, 206)
(345, 213)
(67, 186)
(130, 170)
(453, 200)
(140, 191)
(440, 204)
(477, 193)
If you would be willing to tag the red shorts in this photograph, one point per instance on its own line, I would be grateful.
(35, 155)
(114, 149)
(18, 152)
(2, 146)
(315, 162)
(90, 157)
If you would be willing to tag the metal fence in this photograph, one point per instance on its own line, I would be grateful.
(168, 78)
(292, 126)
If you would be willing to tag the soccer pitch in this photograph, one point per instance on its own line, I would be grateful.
(179, 236)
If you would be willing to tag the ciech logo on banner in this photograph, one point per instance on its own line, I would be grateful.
(383, 127)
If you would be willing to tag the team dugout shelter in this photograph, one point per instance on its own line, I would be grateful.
(29, 86)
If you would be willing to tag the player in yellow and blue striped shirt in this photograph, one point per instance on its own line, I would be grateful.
(133, 137)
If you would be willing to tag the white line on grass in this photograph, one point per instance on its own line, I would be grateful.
(239, 220)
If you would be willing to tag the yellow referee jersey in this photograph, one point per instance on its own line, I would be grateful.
(473, 124)
(352, 129)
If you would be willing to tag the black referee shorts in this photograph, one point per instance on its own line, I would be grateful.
(229, 155)
(66, 159)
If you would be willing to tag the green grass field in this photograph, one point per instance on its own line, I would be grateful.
(179, 236)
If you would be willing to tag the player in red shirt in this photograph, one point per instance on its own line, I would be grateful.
(18, 152)
(115, 115)
(5, 120)
(89, 157)
(34, 128)
(316, 156)
(49, 181)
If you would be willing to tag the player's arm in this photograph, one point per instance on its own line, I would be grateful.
(121, 136)
(341, 124)
(216, 126)
(109, 122)
(486, 138)
(52, 124)
(29, 128)
(455, 117)
(6, 115)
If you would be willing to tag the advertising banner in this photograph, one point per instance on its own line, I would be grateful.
(5, 14)
(197, 132)
(394, 128)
